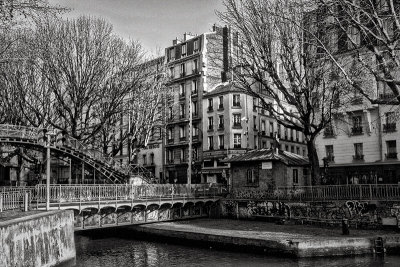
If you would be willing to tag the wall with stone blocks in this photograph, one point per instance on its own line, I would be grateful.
(44, 239)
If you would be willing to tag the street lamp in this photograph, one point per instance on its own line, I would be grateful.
(129, 148)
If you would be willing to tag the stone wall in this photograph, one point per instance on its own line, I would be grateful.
(361, 213)
(43, 239)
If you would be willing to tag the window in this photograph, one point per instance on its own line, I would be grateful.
(221, 141)
(358, 151)
(263, 127)
(271, 129)
(390, 125)
(255, 122)
(391, 149)
(170, 156)
(194, 87)
(292, 149)
(236, 120)
(195, 130)
(285, 130)
(254, 104)
(195, 66)
(255, 141)
(210, 123)
(295, 176)
(264, 144)
(182, 90)
(171, 115)
(251, 177)
(195, 108)
(236, 100)
(171, 54)
(221, 102)
(183, 50)
(298, 150)
(221, 121)
(210, 104)
(279, 131)
(196, 45)
(144, 160)
(170, 136)
(182, 111)
(329, 153)
(172, 72)
(297, 137)
(182, 73)
(182, 154)
(357, 125)
(152, 159)
(195, 153)
(182, 132)
(237, 140)
(210, 142)
(287, 148)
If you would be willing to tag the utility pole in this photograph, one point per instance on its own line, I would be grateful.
(189, 170)
(48, 159)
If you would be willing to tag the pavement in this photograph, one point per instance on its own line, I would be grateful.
(265, 230)
(15, 214)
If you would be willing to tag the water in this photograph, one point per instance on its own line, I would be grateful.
(109, 249)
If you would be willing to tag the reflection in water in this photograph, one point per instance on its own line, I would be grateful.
(94, 251)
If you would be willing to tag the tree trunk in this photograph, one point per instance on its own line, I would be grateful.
(314, 162)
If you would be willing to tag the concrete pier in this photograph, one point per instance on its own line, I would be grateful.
(291, 240)
(41, 239)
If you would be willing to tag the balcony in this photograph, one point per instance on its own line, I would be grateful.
(221, 147)
(328, 132)
(210, 127)
(210, 109)
(183, 138)
(194, 92)
(237, 146)
(220, 127)
(170, 141)
(357, 130)
(389, 127)
(330, 158)
(237, 126)
(391, 155)
(358, 157)
(195, 71)
(358, 100)
(236, 105)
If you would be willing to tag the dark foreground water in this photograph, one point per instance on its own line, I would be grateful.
(104, 249)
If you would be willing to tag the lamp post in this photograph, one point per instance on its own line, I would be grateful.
(129, 148)
(48, 174)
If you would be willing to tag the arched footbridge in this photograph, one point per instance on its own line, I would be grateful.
(29, 137)
(97, 206)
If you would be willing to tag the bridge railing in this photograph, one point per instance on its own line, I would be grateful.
(321, 193)
(75, 193)
(16, 199)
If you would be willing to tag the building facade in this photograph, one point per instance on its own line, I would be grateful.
(234, 123)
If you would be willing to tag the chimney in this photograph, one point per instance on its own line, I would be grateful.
(175, 41)
(187, 36)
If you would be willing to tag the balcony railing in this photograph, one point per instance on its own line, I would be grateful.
(220, 126)
(323, 193)
(221, 147)
(237, 146)
(210, 127)
(209, 109)
(357, 130)
(389, 127)
(220, 107)
(358, 157)
(237, 125)
(391, 155)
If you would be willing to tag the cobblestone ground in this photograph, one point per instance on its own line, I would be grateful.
(14, 214)
(265, 230)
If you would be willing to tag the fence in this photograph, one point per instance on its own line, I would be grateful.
(16, 199)
(321, 193)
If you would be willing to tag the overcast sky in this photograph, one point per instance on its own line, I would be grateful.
(155, 23)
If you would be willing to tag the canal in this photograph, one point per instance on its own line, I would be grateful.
(110, 247)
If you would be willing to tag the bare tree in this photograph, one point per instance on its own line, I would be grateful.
(274, 62)
(82, 73)
(363, 35)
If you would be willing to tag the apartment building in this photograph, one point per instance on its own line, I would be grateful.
(234, 123)
(196, 64)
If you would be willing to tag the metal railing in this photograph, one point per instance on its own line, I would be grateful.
(74, 193)
(17, 199)
(322, 193)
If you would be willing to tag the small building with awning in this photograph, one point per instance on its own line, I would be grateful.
(268, 168)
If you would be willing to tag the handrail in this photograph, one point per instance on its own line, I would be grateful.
(321, 193)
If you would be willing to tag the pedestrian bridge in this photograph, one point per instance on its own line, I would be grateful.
(97, 206)
(63, 145)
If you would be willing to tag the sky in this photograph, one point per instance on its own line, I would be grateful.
(155, 23)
